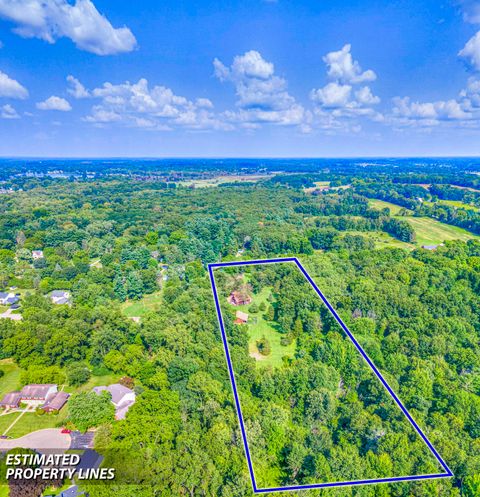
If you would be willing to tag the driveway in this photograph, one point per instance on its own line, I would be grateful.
(8, 314)
(41, 440)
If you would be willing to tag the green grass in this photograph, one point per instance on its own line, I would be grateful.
(4, 491)
(432, 232)
(263, 328)
(11, 379)
(428, 231)
(382, 240)
(139, 308)
(380, 204)
(31, 422)
(7, 420)
(94, 381)
(460, 205)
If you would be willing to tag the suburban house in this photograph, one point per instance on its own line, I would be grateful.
(122, 398)
(8, 298)
(38, 392)
(241, 317)
(239, 298)
(60, 297)
(55, 402)
(37, 254)
(11, 400)
(48, 395)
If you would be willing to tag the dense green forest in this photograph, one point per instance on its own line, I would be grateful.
(116, 242)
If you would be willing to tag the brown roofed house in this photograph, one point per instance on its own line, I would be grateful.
(239, 298)
(56, 401)
(11, 400)
(242, 317)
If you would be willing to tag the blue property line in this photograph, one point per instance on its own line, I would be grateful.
(448, 473)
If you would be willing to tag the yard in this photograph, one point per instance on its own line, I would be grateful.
(10, 381)
(263, 328)
(31, 422)
(140, 307)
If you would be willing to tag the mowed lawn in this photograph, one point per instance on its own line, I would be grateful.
(10, 381)
(380, 204)
(31, 422)
(263, 328)
(430, 231)
(138, 308)
(7, 420)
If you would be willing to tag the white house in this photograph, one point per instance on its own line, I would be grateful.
(37, 254)
(122, 398)
(8, 298)
(60, 297)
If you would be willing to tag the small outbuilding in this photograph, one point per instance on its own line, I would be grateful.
(241, 317)
(37, 254)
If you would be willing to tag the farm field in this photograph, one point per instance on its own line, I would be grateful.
(394, 208)
(219, 180)
(263, 328)
(430, 231)
(383, 240)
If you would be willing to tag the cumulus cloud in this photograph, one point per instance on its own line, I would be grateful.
(76, 89)
(341, 67)
(428, 113)
(11, 88)
(471, 52)
(343, 99)
(157, 107)
(81, 22)
(8, 112)
(55, 103)
(262, 97)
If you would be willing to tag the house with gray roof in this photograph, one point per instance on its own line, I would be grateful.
(11, 400)
(8, 298)
(122, 398)
(55, 402)
(38, 391)
(60, 297)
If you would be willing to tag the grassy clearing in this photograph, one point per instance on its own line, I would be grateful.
(139, 308)
(11, 379)
(458, 204)
(219, 180)
(263, 328)
(382, 240)
(94, 381)
(430, 231)
(31, 422)
(380, 204)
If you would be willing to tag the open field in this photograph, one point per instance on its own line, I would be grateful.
(263, 328)
(460, 205)
(430, 231)
(10, 381)
(219, 180)
(382, 240)
(7, 420)
(94, 381)
(380, 204)
(140, 307)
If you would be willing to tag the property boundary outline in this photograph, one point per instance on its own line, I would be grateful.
(447, 474)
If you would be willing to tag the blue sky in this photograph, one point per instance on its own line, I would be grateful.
(242, 78)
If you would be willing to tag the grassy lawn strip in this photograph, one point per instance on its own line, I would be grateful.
(139, 308)
(380, 204)
(265, 329)
(7, 420)
(11, 379)
(30, 422)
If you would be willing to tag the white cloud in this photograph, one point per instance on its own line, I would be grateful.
(341, 100)
(428, 113)
(342, 68)
(157, 107)
(81, 22)
(11, 88)
(8, 112)
(262, 97)
(471, 52)
(55, 103)
(76, 89)
(333, 95)
(471, 10)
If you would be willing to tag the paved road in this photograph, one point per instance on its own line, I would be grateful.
(41, 440)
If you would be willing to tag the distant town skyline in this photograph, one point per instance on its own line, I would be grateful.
(252, 78)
